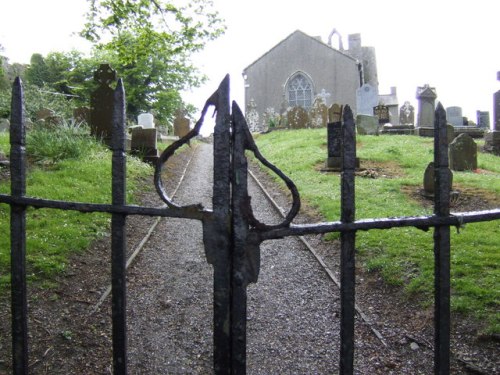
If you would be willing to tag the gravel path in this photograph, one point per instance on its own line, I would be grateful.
(293, 324)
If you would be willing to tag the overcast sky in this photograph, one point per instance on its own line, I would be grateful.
(451, 45)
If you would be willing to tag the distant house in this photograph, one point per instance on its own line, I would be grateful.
(301, 68)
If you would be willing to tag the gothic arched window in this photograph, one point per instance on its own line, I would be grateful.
(300, 91)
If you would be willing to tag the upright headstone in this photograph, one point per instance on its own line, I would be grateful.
(146, 120)
(144, 143)
(367, 125)
(382, 113)
(429, 187)
(252, 117)
(426, 96)
(366, 99)
(492, 139)
(297, 118)
(483, 119)
(334, 137)
(101, 104)
(454, 116)
(181, 124)
(407, 114)
(318, 114)
(463, 153)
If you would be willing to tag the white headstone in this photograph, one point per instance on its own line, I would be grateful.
(454, 116)
(366, 99)
(146, 120)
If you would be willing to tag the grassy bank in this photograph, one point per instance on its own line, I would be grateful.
(80, 172)
(403, 256)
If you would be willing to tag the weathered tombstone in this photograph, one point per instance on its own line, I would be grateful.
(43, 113)
(4, 125)
(297, 118)
(426, 96)
(367, 125)
(450, 133)
(144, 143)
(454, 116)
(181, 124)
(334, 137)
(270, 120)
(463, 153)
(429, 180)
(146, 120)
(252, 116)
(101, 107)
(318, 114)
(407, 114)
(366, 99)
(483, 119)
(382, 113)
(492, 139)
(81, 114)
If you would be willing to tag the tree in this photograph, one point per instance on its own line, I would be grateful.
(149, 43)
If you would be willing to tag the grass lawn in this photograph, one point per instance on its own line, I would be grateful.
(52, 235)
(404, 256)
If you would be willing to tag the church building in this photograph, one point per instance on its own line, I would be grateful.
(301, 68)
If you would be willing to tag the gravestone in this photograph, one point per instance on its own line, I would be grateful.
(367, 125)
(334, 137)
(454, 116)
(483, 119)
(366, 99)
(463, 153)
(297, 118)
(318, 114)
(492, 139)
(382, 113)
(146, 120)
(101, 104)
(270, 119)
(4, 125)
(407, 114)
(181, 124)
(81, 114)
(43, 114)
(450, 133)
(426, 96)
(144, 143)
(429, 180)
(252, 117)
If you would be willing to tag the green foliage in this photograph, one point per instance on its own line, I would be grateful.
(403, 256)
(70, 141)
(53, 235)
(150, 43)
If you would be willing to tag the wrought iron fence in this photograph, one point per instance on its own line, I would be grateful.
(232, 234)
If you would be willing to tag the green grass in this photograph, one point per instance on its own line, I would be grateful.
(52, 235)
(404, 256)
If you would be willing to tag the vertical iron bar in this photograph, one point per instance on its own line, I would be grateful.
(442, 187)
(239, 208)
(347, 240)
(222, 232)
(118, 234)
(19, 305)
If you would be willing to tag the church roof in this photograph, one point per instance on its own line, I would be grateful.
(302, 34)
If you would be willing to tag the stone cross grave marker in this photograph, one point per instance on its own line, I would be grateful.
(101, 104)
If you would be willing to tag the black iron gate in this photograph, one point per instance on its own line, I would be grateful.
(232, 234)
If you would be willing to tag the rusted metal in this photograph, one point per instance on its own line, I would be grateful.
(442, 187)
(118, 234)
(232, 235)
(19, 305)
(347, 243)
